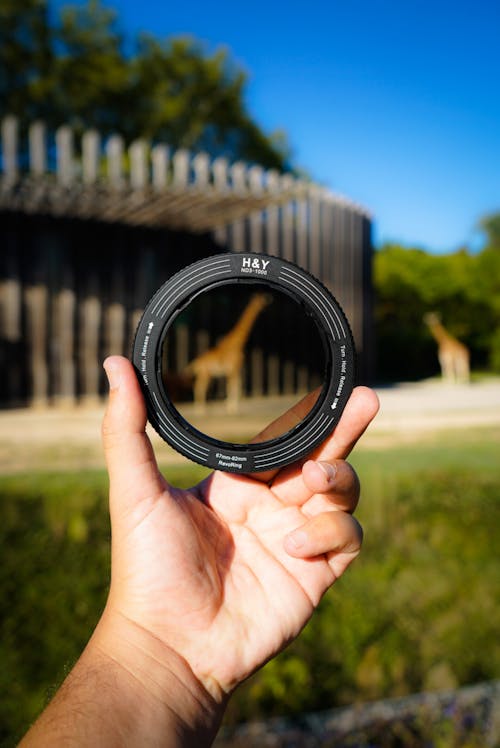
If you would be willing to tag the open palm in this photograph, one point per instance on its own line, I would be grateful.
(226, 573)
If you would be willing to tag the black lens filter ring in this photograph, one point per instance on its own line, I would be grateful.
(236, 268)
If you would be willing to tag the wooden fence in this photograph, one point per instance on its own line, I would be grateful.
(89, 229)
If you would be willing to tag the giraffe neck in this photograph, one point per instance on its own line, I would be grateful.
(440, 334)
(242, 329)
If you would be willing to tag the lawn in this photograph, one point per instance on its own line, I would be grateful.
(416, 611)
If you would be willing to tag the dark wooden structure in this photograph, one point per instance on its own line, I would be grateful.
(89, 230)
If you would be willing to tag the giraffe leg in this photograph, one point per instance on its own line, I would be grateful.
(200, 392)
(233, 392)
(447, 368)
(462, 370)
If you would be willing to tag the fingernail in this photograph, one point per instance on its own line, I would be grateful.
(297, 539)
(329, 470)
(113, 374)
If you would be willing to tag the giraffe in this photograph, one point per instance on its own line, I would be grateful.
(225, 359)
(454, 357)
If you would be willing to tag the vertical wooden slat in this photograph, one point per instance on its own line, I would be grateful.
(65, 166)
(272, 215)
(181, 163)
(10, 144)
(327, 248)
(255, 182)
(288, 253)
(115, 315)
(91, 146)
(37, 149)
(351, 312)
(115, 328)
(220, 180)
(273, 375)
(301, 232)
(314, 232)
(139, 173)
(10, 296)
(257, 372)
(90, 325)
(114, 154)
(36, 297)
(64, 307)
(142, 288)
(339, 249)
(12, 354)
(159, 161)
(239, 186)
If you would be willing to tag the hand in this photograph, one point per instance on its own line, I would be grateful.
(206, 584)
(227, 573)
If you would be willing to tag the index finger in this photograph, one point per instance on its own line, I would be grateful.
(288, 420)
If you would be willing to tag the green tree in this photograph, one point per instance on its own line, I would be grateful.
(490, 225)
(90, 75)
(463, 287)
(26, 57)
(487, 284)
(77, 71)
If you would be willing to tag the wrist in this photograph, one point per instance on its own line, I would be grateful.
(156, 683)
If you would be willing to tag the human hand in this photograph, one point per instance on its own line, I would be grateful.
(206, 584)
(227, 573)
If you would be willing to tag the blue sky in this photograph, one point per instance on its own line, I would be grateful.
(394, 104)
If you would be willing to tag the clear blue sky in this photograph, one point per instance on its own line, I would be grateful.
(395, 104)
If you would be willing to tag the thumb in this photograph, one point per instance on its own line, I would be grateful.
(133, 471)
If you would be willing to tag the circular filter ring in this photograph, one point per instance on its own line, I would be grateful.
(247, 268)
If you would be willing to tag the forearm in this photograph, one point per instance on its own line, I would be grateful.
(128, 690)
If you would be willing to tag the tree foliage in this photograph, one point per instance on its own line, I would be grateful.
(80, 70)
(464, 288)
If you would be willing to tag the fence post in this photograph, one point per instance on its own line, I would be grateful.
(314, 231)
(10, 138)
(90, 326)
(301, 233)
(36, 322)
(255, 181)
(139, 176)
(64, 156)
(180, 161)
(287, 182)
(114, 153)
(63, 325)
(91, 146)
(219, 173)
(272, 222)
(238, 180)
(37, 149)
(115, 315)
(257, 372)
(159, 161)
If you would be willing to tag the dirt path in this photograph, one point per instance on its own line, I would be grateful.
(68, 439)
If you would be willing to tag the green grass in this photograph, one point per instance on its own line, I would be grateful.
(474, 449)
(416, 611)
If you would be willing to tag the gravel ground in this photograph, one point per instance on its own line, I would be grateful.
(55, 439)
